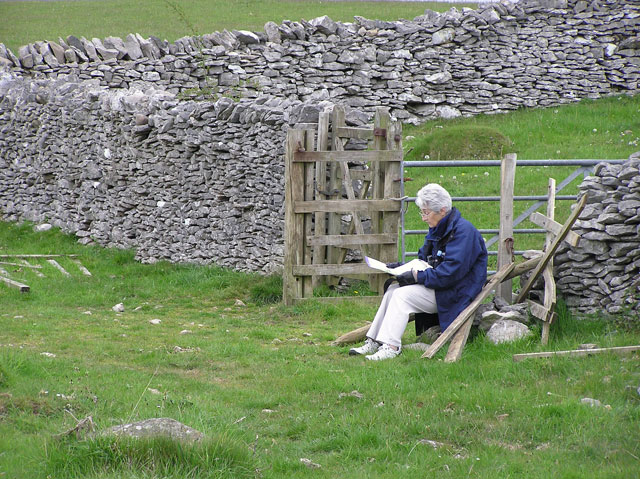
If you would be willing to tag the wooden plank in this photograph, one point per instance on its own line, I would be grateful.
(352, 336)
(547, 274)
(549, 224)
(363, 175)
(505, 246)
(392, 188)
(334, 269)
(381, 121)
(521, 268)
(36, 271)
(320, 218)
(467, 313)
(346, 206)
(334, 227)
(348, 240)
(15, 284)
(27, 265)
(38, 256)
(81, 267)
(546, 257)
(309, 187)
(356, 133)
(57, 265)
(539, 311)
(457, 342)
(366, 156)
(294, 184)
(366, 300)
(577, 352)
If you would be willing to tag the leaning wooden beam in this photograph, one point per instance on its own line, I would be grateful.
(81, 267)
(468, 312)
(577, 352)
(457, 343)
(22, 287)
(57, 265)
(521, 268)
(19, 265)
(352, 336)
(549, 224)
(38, 255)
(548, 254)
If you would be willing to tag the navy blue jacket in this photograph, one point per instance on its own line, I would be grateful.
(461, 274)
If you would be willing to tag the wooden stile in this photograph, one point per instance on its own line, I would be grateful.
(316, 178)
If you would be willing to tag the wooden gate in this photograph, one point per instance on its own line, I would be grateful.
(318, 173)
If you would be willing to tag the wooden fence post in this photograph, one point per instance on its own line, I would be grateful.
(505, 247)
(294, 224)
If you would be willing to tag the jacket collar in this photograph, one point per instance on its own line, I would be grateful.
(445, 225)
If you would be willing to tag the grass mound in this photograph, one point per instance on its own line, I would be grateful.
(151, 457)
(460, 142)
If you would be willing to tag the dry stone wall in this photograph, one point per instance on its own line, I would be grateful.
(498, 58)
(177, 180)
(603, 272)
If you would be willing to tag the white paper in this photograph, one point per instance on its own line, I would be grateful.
(416, 264)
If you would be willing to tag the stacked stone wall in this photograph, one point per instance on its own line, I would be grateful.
(177, 180)
(497, 58)
(603, 272)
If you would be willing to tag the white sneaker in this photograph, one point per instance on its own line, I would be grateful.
(369, 347)
(385, 352)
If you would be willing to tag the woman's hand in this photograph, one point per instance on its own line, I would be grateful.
(407, 278)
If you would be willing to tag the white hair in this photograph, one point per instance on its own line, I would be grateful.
(433, 197)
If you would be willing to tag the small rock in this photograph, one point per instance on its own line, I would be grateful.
(354, 394)
(268, 411)
(155, 321)
(49, 355)
(239, 303)
(306, 334)
(42, 227)
(588, 346)
(186, 331)
(118, 308)
(309, 464)
(591, 402)
(154, 391)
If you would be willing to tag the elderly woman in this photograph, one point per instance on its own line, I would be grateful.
(457, 256)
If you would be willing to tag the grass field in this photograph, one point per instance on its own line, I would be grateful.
(28, 22)
(264, 384)
(262, 381)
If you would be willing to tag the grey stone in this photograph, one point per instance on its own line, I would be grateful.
(156, 427)
(507, 331)
(132, 47)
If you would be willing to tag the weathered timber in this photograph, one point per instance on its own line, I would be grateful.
(467, 313)
(15, 284)
(346, 206)
(577, 352)
(348, 156)
(548, 254)
(549, 224)
(348, 240)
(505, 245)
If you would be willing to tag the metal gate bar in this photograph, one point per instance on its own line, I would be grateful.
(585, 167)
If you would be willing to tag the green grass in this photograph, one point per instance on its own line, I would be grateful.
(28, 22)
(266, 387)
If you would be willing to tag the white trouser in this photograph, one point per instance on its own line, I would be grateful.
(393, 314)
